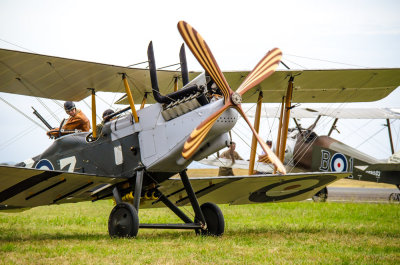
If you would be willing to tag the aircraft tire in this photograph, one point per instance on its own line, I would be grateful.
(123, 221)
(214, 219)
(394, 198)
(321, 196)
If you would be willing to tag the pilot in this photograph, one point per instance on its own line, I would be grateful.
(106, 113)
(229, 154)
(263, 157)
(77, 120)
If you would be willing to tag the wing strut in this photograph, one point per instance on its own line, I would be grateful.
(333, 127)
(254, 139)
(94, 131)
(130, 98)
(285, 120)
(144, 100)
(390, 135)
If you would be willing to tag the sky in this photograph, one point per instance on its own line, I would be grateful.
(311, 34)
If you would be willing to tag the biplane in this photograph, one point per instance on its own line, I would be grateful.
(136, 154)
(308, 152)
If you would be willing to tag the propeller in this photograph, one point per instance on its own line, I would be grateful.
(232, 99)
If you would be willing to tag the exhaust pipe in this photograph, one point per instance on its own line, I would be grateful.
(153, 75)
(175, 96)
(184, 68)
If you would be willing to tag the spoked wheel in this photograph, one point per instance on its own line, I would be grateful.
(214, 219)
(321, 196)
(123, 221)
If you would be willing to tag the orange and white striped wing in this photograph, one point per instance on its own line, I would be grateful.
(263, 69)
(203, 54)
(197, 136)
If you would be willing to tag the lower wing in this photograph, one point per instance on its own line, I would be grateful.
(249, 189)
(242, 164)
(22, 188)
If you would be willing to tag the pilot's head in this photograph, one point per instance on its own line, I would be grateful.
(233, 146)
(70, 108)
(106, 113)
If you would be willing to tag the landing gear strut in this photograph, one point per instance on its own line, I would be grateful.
(124, 220)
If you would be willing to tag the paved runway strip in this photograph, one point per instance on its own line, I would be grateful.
(356, 194)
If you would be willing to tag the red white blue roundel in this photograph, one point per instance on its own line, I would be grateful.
(339, 163)
(44, 164)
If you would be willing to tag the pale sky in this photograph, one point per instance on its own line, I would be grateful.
(354, 33)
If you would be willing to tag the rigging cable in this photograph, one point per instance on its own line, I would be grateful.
(20, 112)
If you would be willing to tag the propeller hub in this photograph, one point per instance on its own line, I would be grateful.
(236, 98)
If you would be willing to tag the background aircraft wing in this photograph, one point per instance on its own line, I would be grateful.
(249, 189)
(27, 187)
(384, 167)
(242, 164)
(341, 113)
(342, 85)
(66, 79)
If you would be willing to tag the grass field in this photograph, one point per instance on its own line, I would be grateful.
(292, 233)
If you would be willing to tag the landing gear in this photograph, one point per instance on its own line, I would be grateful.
(321, 196)
(394, 198)
(123, 221)
(214, 220)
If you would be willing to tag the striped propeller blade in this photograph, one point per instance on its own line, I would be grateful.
(203, 54)
(263, 69)
(197, 136)
(271, 155)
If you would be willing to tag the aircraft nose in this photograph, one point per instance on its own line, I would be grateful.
(226, 121)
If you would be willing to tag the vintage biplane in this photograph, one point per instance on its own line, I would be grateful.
(134, 156)
(306, 151)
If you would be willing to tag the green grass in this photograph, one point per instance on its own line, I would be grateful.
(293, 233)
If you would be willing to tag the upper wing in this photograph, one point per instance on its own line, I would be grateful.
(249, 189)
(66, 79)
(27, 187)
(346, 85)
(341, 113)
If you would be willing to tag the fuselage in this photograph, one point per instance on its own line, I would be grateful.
(323, 153)
(124, 145)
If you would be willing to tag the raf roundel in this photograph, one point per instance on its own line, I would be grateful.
(44, 164)
(339, 163)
